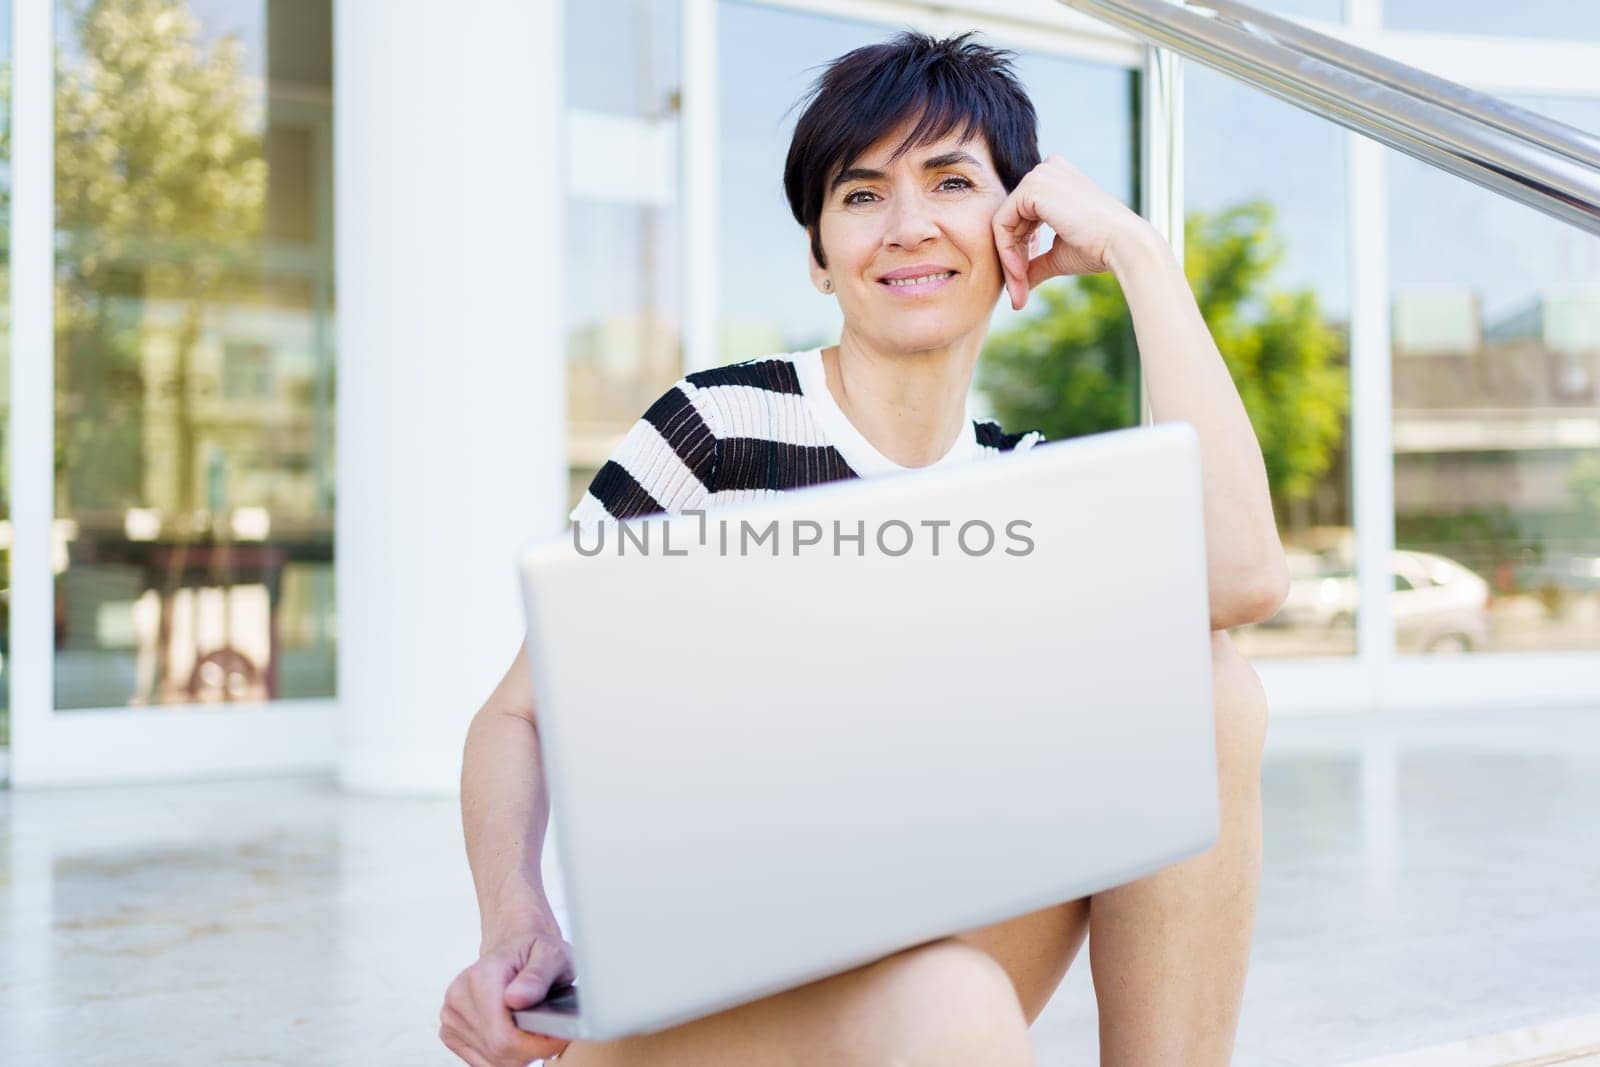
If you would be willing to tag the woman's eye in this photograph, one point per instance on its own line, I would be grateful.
(854, 198)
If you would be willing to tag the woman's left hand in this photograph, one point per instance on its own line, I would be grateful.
(1087, 221)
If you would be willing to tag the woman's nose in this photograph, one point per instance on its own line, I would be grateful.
(911, 222)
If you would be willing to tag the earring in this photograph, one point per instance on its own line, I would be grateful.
(827, 285)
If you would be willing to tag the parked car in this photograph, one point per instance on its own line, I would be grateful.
(1438, 605)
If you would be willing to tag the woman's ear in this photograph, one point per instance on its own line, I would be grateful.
(819, 274)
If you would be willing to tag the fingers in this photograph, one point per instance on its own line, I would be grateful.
(548, 963)
(1040, 268)
(1084, 218)
(494, 1040)
(1013, 233)
(508, 1043)
(475, 1024)
(456, 1039)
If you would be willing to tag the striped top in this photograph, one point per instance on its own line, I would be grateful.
(748, 431)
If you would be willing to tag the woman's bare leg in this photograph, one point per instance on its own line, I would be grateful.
(1035, 949)
(1169, 952)
(944, 1004)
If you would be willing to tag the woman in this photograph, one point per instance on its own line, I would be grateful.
(916, 175)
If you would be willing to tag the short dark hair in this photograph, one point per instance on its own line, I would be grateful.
(867, 93)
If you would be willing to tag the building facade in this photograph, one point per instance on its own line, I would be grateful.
(317, 309)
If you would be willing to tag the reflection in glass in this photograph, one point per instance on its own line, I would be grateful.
(1266, 256)
(623, 258)
(193, 538)
(1496, 380)
(1565, 20)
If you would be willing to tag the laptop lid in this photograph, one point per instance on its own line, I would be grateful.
(784, 739)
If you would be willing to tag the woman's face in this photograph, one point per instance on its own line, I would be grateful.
(886, 227)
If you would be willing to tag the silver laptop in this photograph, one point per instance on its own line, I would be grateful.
(786, 738)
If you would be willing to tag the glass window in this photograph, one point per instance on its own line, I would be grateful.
(1265, 251)
(1556, 19)
(193, 536)
(768, 302)
(1496, 380)
(624, 253)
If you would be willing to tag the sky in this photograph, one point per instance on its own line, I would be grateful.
(1575, 20)
(244, 19)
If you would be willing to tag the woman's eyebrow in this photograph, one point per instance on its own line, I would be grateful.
(867, 174)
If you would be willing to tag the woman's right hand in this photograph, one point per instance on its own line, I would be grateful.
(516, 973)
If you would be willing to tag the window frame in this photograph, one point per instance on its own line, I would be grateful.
(93, 745)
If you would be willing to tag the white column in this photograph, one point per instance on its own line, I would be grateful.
(1371, 403)
(451, 392)
(702, 171)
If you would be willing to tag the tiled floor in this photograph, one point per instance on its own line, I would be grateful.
(1426, 883)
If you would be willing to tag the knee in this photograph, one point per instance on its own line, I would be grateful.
(1239, 702)
(944, 1003)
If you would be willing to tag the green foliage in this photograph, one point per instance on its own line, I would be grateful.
(160, 188)
(1584, 486)
(1483, 538)
(155, 137)
(1073, 368)
(1070, 370)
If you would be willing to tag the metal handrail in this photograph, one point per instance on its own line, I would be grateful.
(1569, 140)
(1547, 165)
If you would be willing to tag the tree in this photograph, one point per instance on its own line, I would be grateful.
(160, 192)
(1073, 368)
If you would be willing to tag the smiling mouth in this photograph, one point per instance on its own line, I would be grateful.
(912, 283)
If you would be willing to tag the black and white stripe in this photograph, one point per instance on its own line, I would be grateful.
(732, 433)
